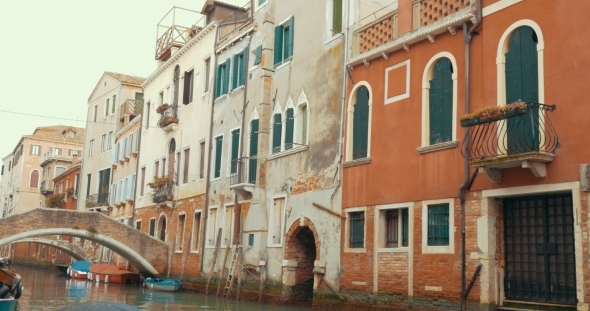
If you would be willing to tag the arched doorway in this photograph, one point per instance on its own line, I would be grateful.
(300, 254)
(162, 228)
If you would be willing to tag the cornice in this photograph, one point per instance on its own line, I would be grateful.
(127, 126)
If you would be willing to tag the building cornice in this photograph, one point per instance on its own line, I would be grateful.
(127, 126)
(423, 33)
(179, 53)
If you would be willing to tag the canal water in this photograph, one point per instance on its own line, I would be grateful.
(50, 289)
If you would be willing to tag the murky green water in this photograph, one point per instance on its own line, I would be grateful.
(50, 289)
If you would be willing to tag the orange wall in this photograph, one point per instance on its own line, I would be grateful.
(70, 202)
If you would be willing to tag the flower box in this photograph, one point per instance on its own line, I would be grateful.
(167, 121)
(494, 113)
(162, 108)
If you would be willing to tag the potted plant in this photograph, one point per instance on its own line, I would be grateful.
(165, 121)
(494, 113)
(162, 108)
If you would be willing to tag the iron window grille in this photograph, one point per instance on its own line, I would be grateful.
(357, 229)
(438, 225)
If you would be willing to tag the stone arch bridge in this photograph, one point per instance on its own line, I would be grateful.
(148, 254)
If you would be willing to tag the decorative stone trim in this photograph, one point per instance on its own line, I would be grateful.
(287, 152)
(220, 98)
(236, 91)
(437, 147)
(357, 162)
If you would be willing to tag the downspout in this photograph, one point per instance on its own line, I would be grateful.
(208, 176)
(467, 37)
(138, 138)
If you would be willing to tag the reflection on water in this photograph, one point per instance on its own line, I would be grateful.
(49, 289)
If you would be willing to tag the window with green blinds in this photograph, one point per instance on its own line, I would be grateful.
(239, 69)
(235, 147)
(222, 79)
(218, 150)
(283, 46)
(277, 130)
(438, 225)
(357, 229)
(253, 160)
(441, 102)
(289, 124)
(336, 16)
(360, 126)
(304, 126)
(258, 58)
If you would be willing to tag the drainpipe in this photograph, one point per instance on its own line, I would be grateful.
(138, 138)
(467, 36)
(207, 177)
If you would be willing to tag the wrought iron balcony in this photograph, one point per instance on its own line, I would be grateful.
(168, 117)
(163, 193)
(243, 175)
(97, 200)
(520, 137)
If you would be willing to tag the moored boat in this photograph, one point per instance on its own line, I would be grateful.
(162, 284)
(79, 269)
(10, 289)
(113, 274)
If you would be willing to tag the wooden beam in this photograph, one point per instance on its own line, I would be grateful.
(327, 210)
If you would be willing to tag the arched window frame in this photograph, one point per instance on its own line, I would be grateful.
(288, 105)
(302, 104)
(426, 77)
(31, 179)
(350, 119)
(277, 110)
(158, 229)
(501, 60)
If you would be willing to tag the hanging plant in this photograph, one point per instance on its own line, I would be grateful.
(494, 113)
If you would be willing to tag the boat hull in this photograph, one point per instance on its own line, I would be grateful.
(126, 278)
(78, 274)
(167, 285)
(8, 304)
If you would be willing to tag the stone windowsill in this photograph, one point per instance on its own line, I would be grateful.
(437, 147)
(236, 91)
(356, 162)
(287, 152)
(220, 98)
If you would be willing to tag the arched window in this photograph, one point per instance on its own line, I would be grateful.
(34, 181)
(441, 102)
(162, 228)
(360, 124)
(176, 79)
(253, 148)
(277, 130)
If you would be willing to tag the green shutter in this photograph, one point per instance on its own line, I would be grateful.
(441, 102)
(522, 80)
(438, 225)
(218, 150)
(235, 79)
(277, 130)
(218, 86)
(304, 126)
(360, 126)
(258, 59)
(278, 49)
(289, 129)
(244, 68)
(253, 161)
(336, 16)
(291, 37)
(235, 146)
(226, 76)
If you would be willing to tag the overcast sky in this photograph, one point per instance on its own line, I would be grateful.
(52, 54)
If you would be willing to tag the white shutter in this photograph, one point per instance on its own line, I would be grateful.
(131, 186)
(137, 135)
(128, 145)
(120, 150)
(120, 192)
(114, 154)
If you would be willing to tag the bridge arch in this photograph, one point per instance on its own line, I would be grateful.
(147, 254)
(73, 250)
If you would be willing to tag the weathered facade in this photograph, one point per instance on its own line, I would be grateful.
(407, 156)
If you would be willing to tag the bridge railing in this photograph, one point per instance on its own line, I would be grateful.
(96, 200)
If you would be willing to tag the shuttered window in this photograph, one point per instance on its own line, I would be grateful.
(360, 126)
(239, 69)
(438, 225)
(253, 161)
(441, 102)
(258, 54)
(152, 226)
(34, 183)
(336, 16)
(142, 185)
(222, 80)
(522, 84)
(304, 125)
(283, 47)
(277, 130)
(357, 230)
(218, 150)
(186, 163)
(202, 159)
(187, 93)
(289, 124)
(235, 147)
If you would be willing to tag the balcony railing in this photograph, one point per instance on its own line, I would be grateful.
(375, 34)
(243, 175)
(168, 115)
(46, 187)
(96, 200)
(526, 138)
(163, 193)
(238, 20)
(130, 108)
(172, 35)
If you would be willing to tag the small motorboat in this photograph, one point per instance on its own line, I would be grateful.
(113, 274)
(79, 269)
(162, 284)
(10, 289)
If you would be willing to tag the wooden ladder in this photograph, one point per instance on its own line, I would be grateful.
(235, 263)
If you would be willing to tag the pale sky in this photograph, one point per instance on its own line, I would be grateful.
(52, 54)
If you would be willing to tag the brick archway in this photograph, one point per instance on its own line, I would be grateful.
(302, 249)
(71, 249)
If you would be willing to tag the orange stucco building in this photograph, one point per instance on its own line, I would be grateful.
(406, 155)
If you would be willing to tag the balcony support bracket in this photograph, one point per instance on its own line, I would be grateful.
(494, 174)
(539, 169)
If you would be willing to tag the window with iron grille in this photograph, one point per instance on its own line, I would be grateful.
(357, 229)
(438, 225)
(396, 228)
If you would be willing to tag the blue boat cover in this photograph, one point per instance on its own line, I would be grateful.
(161, 281)
(82, 266)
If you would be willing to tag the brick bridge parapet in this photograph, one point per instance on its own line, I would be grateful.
(146, 253)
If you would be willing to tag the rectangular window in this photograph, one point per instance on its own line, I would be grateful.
(180, 232)
(438, 225)
(201, 159)
(103, 143)
(88, 181)
(35, 150)
(138, 225)
(251, 239)
(142, 181)
(156, 169)
(277, 220)
(218, 153)
(186, 162)
(235, 147)
(336, 17)
(177, 169)
(76, 183)
(206, 69)
(212, 226)
(164, 167)
(161, 98)
(239, 69)
(396, 228)
(95, 113)
(357, 229)
(152, 226)
(228, 229)
(187, 95)
(114, 104)
(196, 232)
(283, 47)
(110, 141)
(147, 115)
(222, 83)
(106, 107)
(74, 152)
(258, 53)
(261, 2)
(91, 148)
